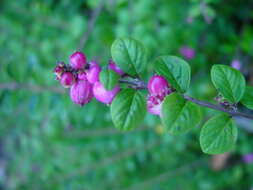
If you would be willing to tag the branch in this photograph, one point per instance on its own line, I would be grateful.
(217, 107)
(91, 22)
(138, 84)
(133, 83)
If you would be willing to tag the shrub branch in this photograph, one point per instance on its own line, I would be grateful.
(138, 84)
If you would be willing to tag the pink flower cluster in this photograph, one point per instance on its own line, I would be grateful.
(158, 89)
(82, 78)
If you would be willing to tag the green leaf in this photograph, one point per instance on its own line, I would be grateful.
(175, 70)
(130, 55)
(229, 82)
(247, 99)
(128, 109)
(179, 115)
(109, 78)
(218, 135)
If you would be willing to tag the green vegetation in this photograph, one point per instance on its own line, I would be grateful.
(47, 142)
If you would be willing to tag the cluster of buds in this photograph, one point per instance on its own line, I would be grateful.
(158, 89)
(82, 78)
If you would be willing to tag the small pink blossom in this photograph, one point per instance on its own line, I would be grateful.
(77, 60)
(158, 88)
(81, 92)
(82, 76)
(67, 79)
(114, 67)
(154, 101)
(103, 95)
(187, 52)
(156, 84)
(236, 64)
(93, 72)
(59, 69)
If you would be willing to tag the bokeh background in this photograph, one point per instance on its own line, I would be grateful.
(47, 142)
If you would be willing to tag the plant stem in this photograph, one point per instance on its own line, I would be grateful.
(138, 84)
(217, 107)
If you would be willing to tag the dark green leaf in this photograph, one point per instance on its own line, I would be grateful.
(247, 99)
(229, 82)
(130, 55)
(218, 135)
(176, 71)
(128, 109)
(179, 115)
(109, 78)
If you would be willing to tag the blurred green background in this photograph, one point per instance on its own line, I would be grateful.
(47, 142)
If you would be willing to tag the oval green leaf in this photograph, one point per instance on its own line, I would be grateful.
(229, 82)
(247, 99)
(218, 135)
(175, 70)
(179, 115)
(108, 78)
(130, 55)
(128, 109)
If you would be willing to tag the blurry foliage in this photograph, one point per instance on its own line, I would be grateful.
(47, 142)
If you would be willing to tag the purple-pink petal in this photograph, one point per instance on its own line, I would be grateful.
(81, 92)
(77, 60)
(103, 95)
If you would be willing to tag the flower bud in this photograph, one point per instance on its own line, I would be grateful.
(103, 95)
(67, 79)
(157, 84)
(82, 76)
(114, 67)
(93, 72)
(236, 64)
(58, 70)
(187, 52)
(77, 60)
(158, 88)
(154, 101)
(81, 92)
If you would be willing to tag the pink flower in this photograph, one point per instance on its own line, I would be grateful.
(248, 158)
(187, 52)
(82, 76)
(67, 79)
(103, 95)
(59, 69)
(77, 60)
(236, 64)
(81, 92)
(114, 67)
(158, 88)
(93, 72)
(156, 84)
(154, 101)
